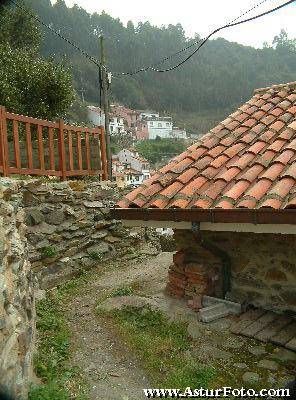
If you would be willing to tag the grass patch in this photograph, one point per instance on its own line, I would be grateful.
(123, 291)
(162, 346)
(52, 361)
(93, 255)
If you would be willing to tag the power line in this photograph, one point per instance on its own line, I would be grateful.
(223, 27)
(151, 67)
(203, 41)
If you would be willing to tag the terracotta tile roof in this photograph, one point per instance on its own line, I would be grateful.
(247, 161)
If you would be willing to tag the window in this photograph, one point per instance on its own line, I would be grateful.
(167, 124)
(159, 125)
(151, 123)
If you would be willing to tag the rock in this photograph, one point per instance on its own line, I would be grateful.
(250, 377)
(194, 330)
(257, 350)
(271, 380)
(78, 256)
(102, 224)
(29, 199)
(34, 217)
(268, 364)
(149, 251)
(55, 217)
(2, 323)
(71, 235)
(40, 294)
(98, 248)
(100, 234)
(290, 297)
(43, 243)
(220, 326)
(42, 228)
(112, 239)
(211, 352)
(284, 355)
(65, 260)
(233, 343)
(119, 302)
(240, 365)
(93, 204)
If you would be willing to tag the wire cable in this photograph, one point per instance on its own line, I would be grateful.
(223, 27)
(150, 67)
(203, 41)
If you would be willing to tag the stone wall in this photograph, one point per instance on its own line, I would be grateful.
(263, 267)
(16, 296)
(69, 228)
(50, 231)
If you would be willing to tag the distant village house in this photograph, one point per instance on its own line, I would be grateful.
(129, 168)
(139, 124)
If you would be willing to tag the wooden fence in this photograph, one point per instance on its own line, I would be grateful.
(30, 146)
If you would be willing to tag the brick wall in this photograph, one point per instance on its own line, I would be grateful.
(263, 268)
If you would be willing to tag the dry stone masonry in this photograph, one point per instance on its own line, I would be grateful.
(69, 228)
(17, 322)
(49, 232)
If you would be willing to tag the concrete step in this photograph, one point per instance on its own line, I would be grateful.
(213, 312)
(235, 308)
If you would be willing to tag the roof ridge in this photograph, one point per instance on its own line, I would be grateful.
(287, 86)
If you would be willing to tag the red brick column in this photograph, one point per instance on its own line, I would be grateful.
(193, 274)
(177, 279)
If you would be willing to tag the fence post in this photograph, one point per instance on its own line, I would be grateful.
(103, 154)
(62, 153)
(4, 141)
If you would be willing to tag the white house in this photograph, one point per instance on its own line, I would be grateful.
(178, 133)
(145, 124)
(136, 167)
(116, 125)
(96, 115)
(148, 114)
(160, 126)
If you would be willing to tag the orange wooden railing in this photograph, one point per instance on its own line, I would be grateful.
(50, 148)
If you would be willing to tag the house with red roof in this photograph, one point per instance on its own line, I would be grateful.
(231, 199)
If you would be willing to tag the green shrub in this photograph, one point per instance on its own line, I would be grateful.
(48, 251)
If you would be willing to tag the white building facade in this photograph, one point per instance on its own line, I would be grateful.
(178, 133)
(160, 127)
(116, 125)
(138, 168)
(150, 124)
(96, 115)
(148, 114)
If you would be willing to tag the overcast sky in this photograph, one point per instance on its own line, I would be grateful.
(201, 16)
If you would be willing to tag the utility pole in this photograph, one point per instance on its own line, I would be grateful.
(105, 102)
(82, 90)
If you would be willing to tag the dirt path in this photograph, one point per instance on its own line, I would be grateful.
(111, 373)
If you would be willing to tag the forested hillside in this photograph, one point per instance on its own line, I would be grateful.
(221, 76)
